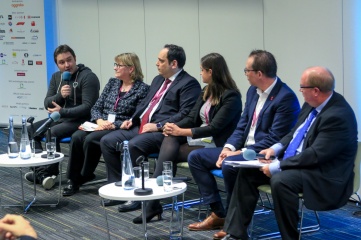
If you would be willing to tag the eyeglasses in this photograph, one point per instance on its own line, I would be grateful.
(306, 87)
(120, 65)
(249, 70)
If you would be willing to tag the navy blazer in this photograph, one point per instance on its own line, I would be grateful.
(176, 102)
(328, 154)
(276, 119)
(223, 117)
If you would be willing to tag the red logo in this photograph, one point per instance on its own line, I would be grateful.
(20, 23)
(20, 74)
(39, 62)
(33, 23)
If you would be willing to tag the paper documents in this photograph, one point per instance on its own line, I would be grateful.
(89, 127)
(246, 164)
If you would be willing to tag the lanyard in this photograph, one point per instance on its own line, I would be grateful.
(206, 111)
(121, 95)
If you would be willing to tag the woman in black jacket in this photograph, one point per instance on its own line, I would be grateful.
(209, 124)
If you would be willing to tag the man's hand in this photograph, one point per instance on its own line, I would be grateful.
(65, 91)
(126, 124)
(266, 171)
(268, 153)
(14, 226)
(55, 109)
(150, 127)
(225, 153)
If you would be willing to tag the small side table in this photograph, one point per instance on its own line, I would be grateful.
(112, 192)
(36, 161)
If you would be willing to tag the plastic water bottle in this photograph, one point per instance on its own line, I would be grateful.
(13, 150)
(25, 149)
(175, 232)
(127, 169)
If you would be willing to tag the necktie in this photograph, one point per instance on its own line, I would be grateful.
(153, 102)
(295, 143)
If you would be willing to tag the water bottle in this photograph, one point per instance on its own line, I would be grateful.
(13, 150)
(25, 149)
(127, 169)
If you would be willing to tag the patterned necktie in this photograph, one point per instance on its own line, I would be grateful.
(295, 143)
(153, 102)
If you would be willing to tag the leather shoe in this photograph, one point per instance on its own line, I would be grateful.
(108, 202)
(210, 223)
(129, 206)
(70, 189)
(219, 235)
(150, 214)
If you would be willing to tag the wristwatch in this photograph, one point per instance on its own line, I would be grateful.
(160, 127)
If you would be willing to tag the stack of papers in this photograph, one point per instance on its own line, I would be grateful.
(246, 164)
(89, 126)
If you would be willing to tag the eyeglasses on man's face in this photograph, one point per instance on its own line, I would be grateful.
(248, 70)
(301, 87)
(120, 65)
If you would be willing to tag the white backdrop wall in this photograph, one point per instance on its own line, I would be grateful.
(300, 33)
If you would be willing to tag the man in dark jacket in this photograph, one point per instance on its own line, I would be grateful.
(73, 99)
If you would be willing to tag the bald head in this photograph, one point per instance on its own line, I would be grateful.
(320, 77)
(317, 84)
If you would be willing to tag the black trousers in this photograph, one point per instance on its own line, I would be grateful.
(60, 129)
(85, 153)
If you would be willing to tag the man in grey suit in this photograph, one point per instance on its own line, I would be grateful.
(171, 96)
(270, 112)
(316, 160)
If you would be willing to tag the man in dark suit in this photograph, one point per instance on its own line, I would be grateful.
(171, 96)
(270, 112)
(318, 164)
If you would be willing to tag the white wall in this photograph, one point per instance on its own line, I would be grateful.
(300, 33)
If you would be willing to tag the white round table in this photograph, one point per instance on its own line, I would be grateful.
(36, 161)
(110, 191)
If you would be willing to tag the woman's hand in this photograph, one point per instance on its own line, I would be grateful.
(172, 129)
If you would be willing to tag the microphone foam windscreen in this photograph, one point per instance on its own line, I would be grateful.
(55, 116)
(160, 180)
(249, 154)
(66, 76)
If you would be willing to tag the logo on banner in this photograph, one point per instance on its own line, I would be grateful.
(26, 55)
(10, 17)
(2, 31)
(32, 23)
(34, 30)
(2, 55)
(10, 23)
(20, 74)
(39, 62)
(30, 62)
(20, 23)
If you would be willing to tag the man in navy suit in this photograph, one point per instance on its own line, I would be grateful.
(270, 112)
(318, 164)
(171, 96)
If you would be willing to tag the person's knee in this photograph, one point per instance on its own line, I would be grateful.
(193, 158)
(107, 143)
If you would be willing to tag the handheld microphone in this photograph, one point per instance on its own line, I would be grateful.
(54, 117)
(140, 160)
(31, 120)
(66, 77)
(182, 179)
(250, 154)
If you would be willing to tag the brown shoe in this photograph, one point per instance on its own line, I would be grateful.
(210, 223)
(219, 235)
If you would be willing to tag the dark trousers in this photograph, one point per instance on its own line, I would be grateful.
(243, 201)
(175, 149)
(85, 153)
(201, 162)
(111, 155)
(60, 129)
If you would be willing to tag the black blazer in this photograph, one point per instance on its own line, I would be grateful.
(328, 155)
(223, 118)
(176, 103)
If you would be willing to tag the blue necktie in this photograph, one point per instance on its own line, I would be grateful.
(295, 143)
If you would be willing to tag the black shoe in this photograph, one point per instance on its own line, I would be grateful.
(29, 176)
(129, 206)
(230, 237)
(108, 202)
(70, 189)
(150, 215)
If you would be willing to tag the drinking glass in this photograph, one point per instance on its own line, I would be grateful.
(167, 180)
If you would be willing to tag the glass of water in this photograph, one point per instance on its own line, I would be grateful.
(50, 150)
(146, 171)
(167, 180)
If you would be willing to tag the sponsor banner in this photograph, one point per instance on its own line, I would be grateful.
(22, 60)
